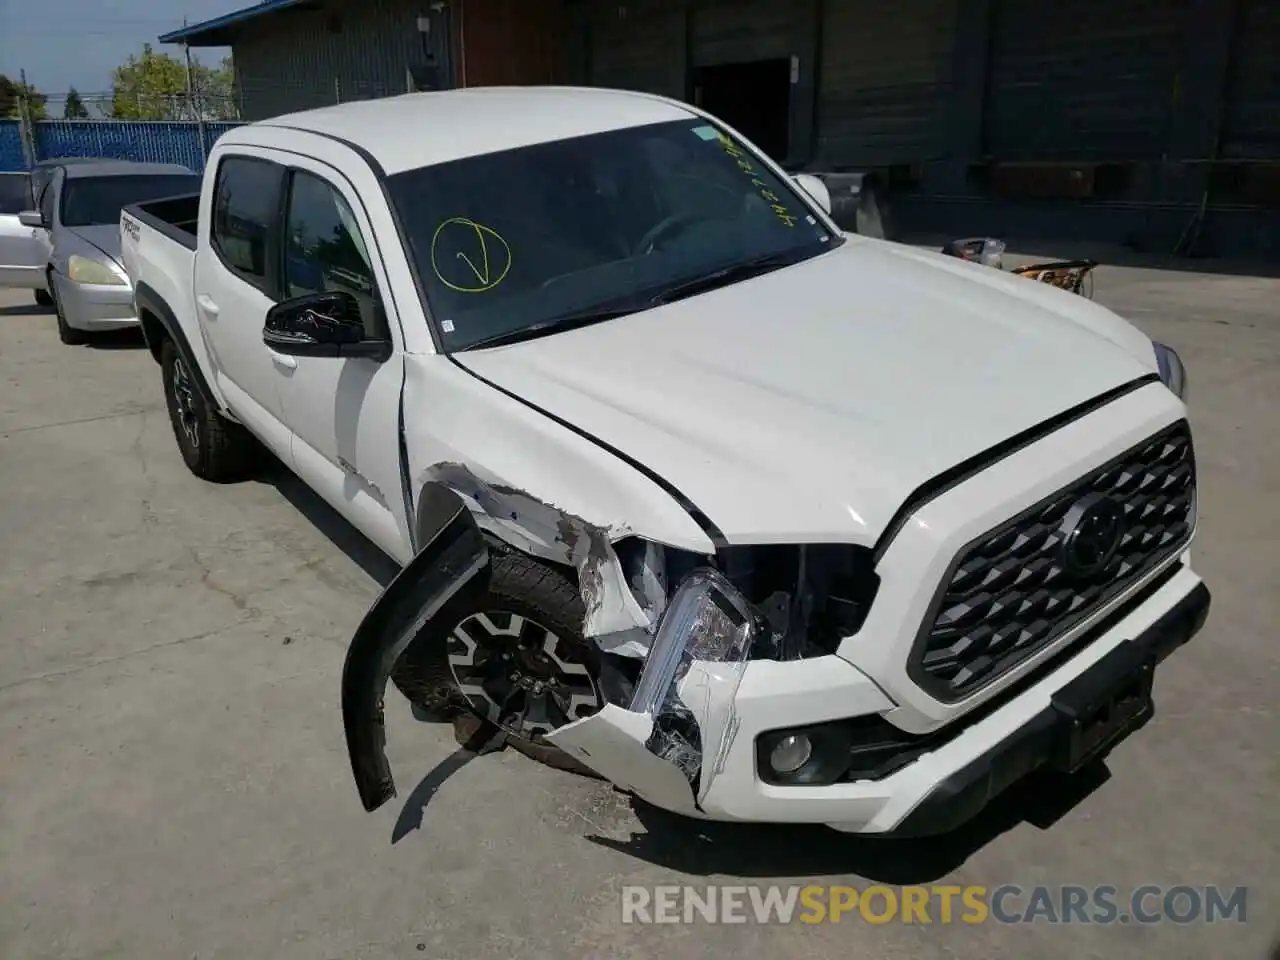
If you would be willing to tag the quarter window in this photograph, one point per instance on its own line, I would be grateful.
(245, 208)
(15, 192)
(324, 249)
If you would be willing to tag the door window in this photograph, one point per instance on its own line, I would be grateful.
(15, 193)
(324, 249)
(245, 210)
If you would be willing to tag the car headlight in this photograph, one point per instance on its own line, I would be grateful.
(83, 270)
(1172, 373)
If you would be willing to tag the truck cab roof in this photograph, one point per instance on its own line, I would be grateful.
(473, 121)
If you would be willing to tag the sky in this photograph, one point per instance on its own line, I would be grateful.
(77, 43)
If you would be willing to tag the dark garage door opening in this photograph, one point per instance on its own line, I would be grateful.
(754, 98)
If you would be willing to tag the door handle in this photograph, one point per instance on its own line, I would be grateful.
(207, 305)
(283, 360)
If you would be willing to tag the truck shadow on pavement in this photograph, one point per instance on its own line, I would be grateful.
(128, 339)
(359, 549)
(701, 848)
(752, 850)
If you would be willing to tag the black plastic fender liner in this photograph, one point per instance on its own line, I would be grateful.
(152, 302)
(447, 579)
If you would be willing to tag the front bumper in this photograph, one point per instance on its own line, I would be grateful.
(946, 786)
(967, 760)
(96, 307)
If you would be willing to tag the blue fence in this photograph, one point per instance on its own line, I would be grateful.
(151, 141)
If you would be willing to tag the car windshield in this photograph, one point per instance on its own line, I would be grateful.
(95, 201)
(527, 241)
(15, 193)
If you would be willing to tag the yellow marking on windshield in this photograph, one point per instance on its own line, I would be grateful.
(739, 156)
(484, 254)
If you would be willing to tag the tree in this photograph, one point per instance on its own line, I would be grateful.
(13, 91)
(153, 86)
(74, 108)
(150, 87)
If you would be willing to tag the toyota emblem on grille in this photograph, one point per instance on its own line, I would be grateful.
(1091, 532)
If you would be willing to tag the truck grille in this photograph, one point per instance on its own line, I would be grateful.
(1019, 587)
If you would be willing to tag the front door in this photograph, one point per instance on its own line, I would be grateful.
(236, 283)
(23, 255)
(344, 412)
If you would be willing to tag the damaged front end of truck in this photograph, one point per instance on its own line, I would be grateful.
(687, 624)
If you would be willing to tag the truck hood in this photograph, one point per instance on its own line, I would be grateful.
(807, 404)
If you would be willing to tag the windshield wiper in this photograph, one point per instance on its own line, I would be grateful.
(571, 321)
(724, 277)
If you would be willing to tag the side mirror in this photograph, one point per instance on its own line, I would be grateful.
(31, 218)
(816, 189)
(321, 325)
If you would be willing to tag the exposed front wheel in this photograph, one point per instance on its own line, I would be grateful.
(212, 447)
(521, 662)
(43, 298)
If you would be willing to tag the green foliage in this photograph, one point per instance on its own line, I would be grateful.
(74, 108)
(12, 92)
(153, 86)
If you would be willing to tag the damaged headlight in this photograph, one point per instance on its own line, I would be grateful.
(1172, 373)
(692, 674)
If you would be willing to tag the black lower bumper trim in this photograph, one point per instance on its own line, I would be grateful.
(959, 797)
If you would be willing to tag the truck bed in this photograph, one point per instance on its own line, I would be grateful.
(175, 217)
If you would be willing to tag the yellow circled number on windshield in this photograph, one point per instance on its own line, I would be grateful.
(469, 257)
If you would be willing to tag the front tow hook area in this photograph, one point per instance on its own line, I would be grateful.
(446, 578)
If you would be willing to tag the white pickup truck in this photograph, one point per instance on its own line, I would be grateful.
(756, 519)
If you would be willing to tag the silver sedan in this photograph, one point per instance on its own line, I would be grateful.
(76, 227)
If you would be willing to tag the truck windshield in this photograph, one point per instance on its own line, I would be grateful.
(95, 201)
(527, 241)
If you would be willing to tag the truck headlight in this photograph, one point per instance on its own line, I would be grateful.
(1172, 373)
(83, 270)
(691, 677)
(707, 619)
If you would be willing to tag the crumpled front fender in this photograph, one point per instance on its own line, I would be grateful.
(448, 577)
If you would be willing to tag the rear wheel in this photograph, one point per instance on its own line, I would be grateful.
(213, 447)
(43, 298)
(521, 662)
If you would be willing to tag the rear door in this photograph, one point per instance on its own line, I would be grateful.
(237, 280)
(23, 253)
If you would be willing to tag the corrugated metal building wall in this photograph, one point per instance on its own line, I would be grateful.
(940, 96)
(1252, 123)
(303, 58)
(885, 81)
(1083, 79)
(637, 46)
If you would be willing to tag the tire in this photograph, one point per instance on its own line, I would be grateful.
(66, 333)
(550, 606)
(44, 298)
(214, 448)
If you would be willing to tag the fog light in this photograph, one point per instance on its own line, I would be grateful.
(791, 753)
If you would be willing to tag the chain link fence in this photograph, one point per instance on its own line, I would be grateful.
(169, 127)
